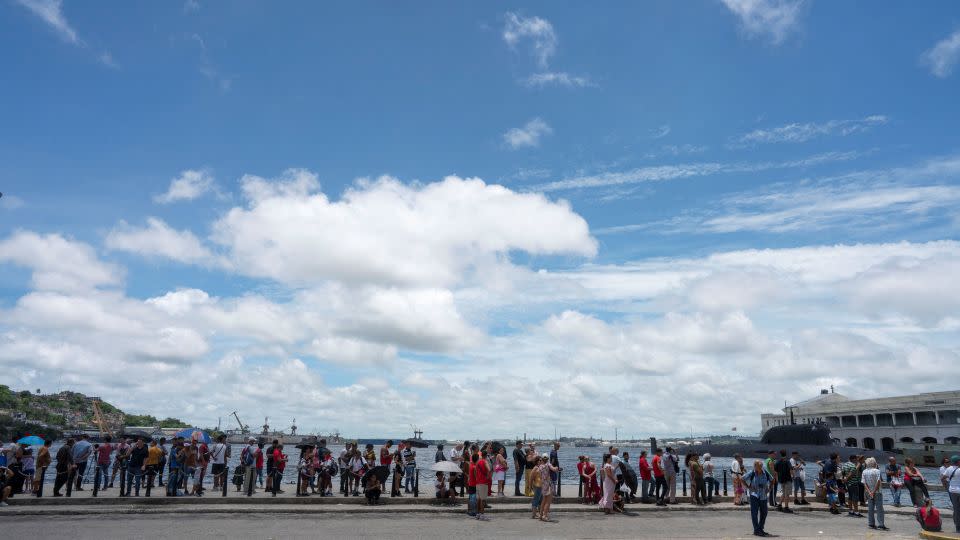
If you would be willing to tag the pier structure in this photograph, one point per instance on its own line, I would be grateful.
(878, 423)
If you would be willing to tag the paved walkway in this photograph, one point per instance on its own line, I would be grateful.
(675, 523)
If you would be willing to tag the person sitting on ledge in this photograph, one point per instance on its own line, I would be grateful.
(929, 517)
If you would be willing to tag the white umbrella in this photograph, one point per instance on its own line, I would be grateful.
(446, 466)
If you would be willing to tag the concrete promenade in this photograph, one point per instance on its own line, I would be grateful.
(241, 523)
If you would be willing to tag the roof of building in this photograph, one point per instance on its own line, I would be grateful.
(833, 403)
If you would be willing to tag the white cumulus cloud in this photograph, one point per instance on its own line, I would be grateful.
(536, 31)
(943, 57)
(775, 20)
(190, 185)
(528, 135)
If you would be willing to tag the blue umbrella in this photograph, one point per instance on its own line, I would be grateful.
(195, 434)
(31, 440)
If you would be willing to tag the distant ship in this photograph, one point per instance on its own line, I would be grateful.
(417, 441)
(267, 436)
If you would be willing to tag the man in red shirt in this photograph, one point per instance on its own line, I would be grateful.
(646, 478)
(480, 471)
(660, 490)
(102, 478)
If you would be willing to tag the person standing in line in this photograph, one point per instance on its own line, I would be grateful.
(28, 469)
(163, 460)
(873, 492)
(851, 478)
(953, 489)
(769, 465)
(708, 476)
(660, 477)
(101, 480)
(456, 456)
(671, 469)
(219, 454)
(609, 484)
(248, 458)
(152, 463)
(646, 478)
(357, 465)
(519, 465)
(43, 461)
(174, 462)
(548, 471)
(500, 467)
(785, 481)
(697, 481)
(136, 466)
(266, 457)
(736, 470)
(409, 456)
(530, 462)
(64, 463)
(798, 470)
(279, 464)
(203, 463)
(261, 456)
(82, 450)
(758, 483)
(482, 477)
(591, 489)
(190, 467)
(386, 459)
(535, 482)
(555, 468)
(944, 465)
(343, 462)
(119, 463)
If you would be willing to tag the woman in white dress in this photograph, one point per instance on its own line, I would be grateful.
(609, 485)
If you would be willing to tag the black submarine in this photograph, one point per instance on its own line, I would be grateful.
(812, 440)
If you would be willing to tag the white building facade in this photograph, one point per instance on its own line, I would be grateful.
(879, 423)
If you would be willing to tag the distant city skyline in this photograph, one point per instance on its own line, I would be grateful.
(658, 216)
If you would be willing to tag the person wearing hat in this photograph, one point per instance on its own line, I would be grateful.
(248, 458)
(953, 488)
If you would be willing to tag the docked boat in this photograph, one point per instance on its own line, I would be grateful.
(813, 441)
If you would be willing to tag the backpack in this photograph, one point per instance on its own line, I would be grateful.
(246, 457)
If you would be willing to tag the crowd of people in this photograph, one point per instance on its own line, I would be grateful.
(479, 471)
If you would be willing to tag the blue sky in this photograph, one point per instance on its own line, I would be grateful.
(689, 191)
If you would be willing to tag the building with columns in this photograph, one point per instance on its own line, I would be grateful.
(878, 423)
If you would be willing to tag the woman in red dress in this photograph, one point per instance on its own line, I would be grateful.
(591, 488)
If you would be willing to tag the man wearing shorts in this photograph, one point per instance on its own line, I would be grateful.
(218, 462)
(482, 478)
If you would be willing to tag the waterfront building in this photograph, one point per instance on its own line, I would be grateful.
(878, 423)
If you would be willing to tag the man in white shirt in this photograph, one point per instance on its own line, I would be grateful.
(219, 453)
(953, 486)
(873, 493)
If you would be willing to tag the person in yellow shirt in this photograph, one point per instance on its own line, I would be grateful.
(152, 463)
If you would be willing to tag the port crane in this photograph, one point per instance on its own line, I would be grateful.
(243, 428)
(98, 418)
